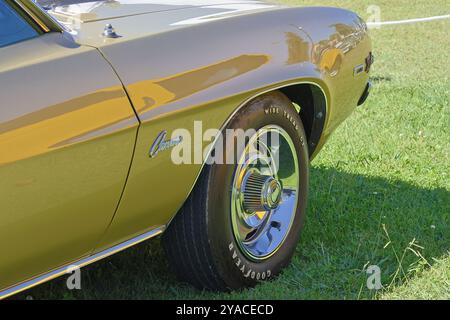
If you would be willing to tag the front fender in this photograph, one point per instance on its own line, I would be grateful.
(203, 73)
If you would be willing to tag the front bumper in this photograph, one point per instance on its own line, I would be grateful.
(365, 94)
(370, 59)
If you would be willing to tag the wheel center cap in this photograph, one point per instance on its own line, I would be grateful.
(261, 193)
(271, 195)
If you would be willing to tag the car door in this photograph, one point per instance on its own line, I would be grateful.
(67, 133)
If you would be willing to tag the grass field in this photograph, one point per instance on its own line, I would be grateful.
(380, 189)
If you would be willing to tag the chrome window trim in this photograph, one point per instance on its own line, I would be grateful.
(42, 19)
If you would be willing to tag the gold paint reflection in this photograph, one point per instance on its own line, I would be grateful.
(40, 131)
(298, 49)
(329, 53)
(155, 93)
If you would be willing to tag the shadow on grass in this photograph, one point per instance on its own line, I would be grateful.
(343, 233)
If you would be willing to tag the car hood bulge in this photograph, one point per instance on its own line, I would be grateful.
(86, 20)
(84, 11)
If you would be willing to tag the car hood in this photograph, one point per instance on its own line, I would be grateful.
(86, 20)
(82, 11)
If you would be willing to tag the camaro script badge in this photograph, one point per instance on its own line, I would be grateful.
(161, 144)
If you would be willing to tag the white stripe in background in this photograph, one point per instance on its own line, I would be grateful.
(387, 23)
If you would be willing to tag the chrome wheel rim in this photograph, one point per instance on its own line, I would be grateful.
(265, 193)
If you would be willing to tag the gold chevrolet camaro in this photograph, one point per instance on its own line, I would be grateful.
(194, 120)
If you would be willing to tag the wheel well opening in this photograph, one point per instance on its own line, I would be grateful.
(311, 102)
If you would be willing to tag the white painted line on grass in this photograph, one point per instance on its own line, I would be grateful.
(387, 23)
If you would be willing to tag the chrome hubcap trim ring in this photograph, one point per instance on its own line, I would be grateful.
(261, 230)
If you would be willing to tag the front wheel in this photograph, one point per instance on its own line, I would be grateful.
(242, 221)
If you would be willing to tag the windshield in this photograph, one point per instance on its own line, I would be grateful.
(13, 27)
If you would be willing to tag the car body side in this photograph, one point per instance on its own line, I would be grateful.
(166, 71)
(210, 72)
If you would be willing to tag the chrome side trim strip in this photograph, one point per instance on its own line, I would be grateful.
(80, 263)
